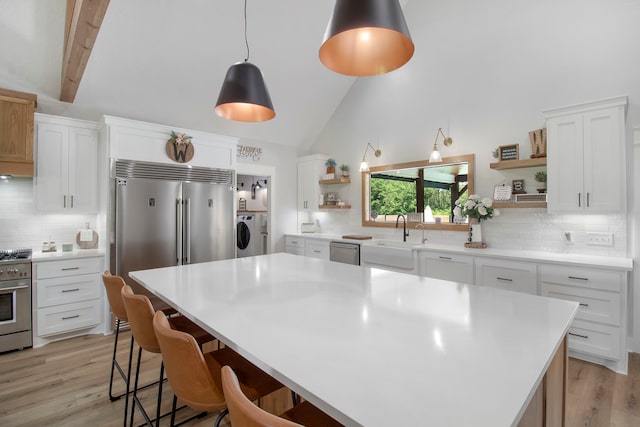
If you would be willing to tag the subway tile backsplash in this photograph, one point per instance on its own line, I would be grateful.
(21, 226)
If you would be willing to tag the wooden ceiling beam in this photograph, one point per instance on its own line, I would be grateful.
(82, 24)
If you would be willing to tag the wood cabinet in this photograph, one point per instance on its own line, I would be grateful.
(598, 332)
(16, 132)
(507, 274)
(310, 168)
(67, 298)
(446, 266)
(67, 165)
(586, 161)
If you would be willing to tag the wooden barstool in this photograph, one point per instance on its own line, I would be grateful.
(244, 413)
(140, 313)
(195, 377)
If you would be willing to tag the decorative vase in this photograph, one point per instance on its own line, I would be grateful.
(542, 187)
(475, 231)
(331, 169)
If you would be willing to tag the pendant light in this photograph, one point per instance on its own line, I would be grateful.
(244, 96)
(436, 157)
(366, 38)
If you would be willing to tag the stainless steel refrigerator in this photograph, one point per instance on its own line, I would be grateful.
(167, 215)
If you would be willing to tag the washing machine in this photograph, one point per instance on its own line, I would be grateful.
(248, 236)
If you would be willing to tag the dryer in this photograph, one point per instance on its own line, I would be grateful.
(248, 236)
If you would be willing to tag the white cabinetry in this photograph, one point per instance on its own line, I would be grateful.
(310, 168)
(599, 330)
(446, 266)
(586, 157)
(506, 274)
(294, 245)
(317, 249)
(66, 165)
(67, 298)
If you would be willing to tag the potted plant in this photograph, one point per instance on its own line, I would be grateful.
(345, 170)
(541, 179)
(331, 166)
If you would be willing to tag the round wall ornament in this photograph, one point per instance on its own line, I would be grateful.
(179, 147)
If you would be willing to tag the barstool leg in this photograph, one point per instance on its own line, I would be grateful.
(128, 382)
(159, 404)
(173, 410)
(113, 363)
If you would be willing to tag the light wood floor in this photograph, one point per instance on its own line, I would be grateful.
(66, 383)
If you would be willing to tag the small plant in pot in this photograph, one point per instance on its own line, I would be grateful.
(541, 179)
(331, 166)
(345, 170)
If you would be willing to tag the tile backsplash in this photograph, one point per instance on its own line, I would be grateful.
(21, 226)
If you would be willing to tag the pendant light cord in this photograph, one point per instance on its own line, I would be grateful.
(246, 42)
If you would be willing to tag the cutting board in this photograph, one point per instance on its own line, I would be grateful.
(356, 237)
(89, 244)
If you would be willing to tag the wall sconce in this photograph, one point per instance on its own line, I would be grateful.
(366, 38)
(436, 157)
(364, 166)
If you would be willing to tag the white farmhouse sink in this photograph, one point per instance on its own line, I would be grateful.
(388, 253)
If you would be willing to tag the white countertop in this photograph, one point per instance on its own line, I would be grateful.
(618, 263)
(361, 342)
(38, 256)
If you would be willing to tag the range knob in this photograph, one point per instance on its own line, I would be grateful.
(12, 271)
(1, 272)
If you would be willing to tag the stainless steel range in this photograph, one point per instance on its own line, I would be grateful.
(15, 299)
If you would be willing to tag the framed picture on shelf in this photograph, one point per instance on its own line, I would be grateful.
(502, 192)
(509, 152)
(518, 186)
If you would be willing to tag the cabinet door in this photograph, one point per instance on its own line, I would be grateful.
(52, 165)
(16, 129)
(308, 192)
(565, 164)
(506, 274)
(603, 184)
(446, 266)
(83, 167)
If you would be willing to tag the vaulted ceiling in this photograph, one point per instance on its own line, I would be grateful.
(164, 61)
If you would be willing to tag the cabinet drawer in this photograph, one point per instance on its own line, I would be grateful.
(69, 267)
(318, 250)
(64, 290)
(456, 268)
(595, 305)
(294, 242)
(594, 338)
(69, 317)
(509, 275)
(582, 277)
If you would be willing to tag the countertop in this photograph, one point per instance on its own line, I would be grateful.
(618, 263)
(39, 256)
(359, 341)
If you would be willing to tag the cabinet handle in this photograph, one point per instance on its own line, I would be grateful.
(64, 201)
(448, 258)
(586, 337)
(587, 199)
(583, 304)
(71, 268)
(579, 200)
(504, 279)
(71, 317)
(295, 242)
(72, 201)
(70, 290)
(316, 251)
(578, 278)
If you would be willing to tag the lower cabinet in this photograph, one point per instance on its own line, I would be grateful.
(599, 332)
(507, 274)
(317, 249)
(67, 298)
(446, 266)
(294, 245)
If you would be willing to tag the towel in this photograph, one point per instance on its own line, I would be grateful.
(86, 235)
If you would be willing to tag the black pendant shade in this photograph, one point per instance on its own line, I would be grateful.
(366, 38)
(244, 96)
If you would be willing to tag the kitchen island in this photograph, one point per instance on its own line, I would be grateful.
(373, 347)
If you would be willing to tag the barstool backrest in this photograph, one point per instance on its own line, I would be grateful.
(140, 313)
(113, 285)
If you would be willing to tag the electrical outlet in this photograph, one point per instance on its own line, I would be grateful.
(568, 237)
(600, 239)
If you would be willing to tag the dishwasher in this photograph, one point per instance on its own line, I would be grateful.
(348, 253)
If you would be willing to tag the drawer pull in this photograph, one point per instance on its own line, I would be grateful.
(71, 317)
(578, 278)
(71, 268)
(316, 251)
(586, 337)
(504, 279)
(583, 304)
(70, 290)
(448, 258)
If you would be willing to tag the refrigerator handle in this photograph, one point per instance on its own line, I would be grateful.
(178, 231)
(188, 231)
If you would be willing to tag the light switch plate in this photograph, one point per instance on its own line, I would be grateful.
(600, 239)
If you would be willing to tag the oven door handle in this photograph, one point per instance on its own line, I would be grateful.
(14, 288)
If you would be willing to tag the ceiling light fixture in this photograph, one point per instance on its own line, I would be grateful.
(366, 38)
(244, 96)
(436, 157)
(364, 166)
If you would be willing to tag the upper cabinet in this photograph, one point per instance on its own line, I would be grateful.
(585, 164)
(309, 170)
(16, 132)
(67, 165)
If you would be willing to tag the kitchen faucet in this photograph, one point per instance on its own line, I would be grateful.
(405, 233)
(421, 226)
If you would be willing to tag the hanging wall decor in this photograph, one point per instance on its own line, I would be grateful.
(179, 147)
